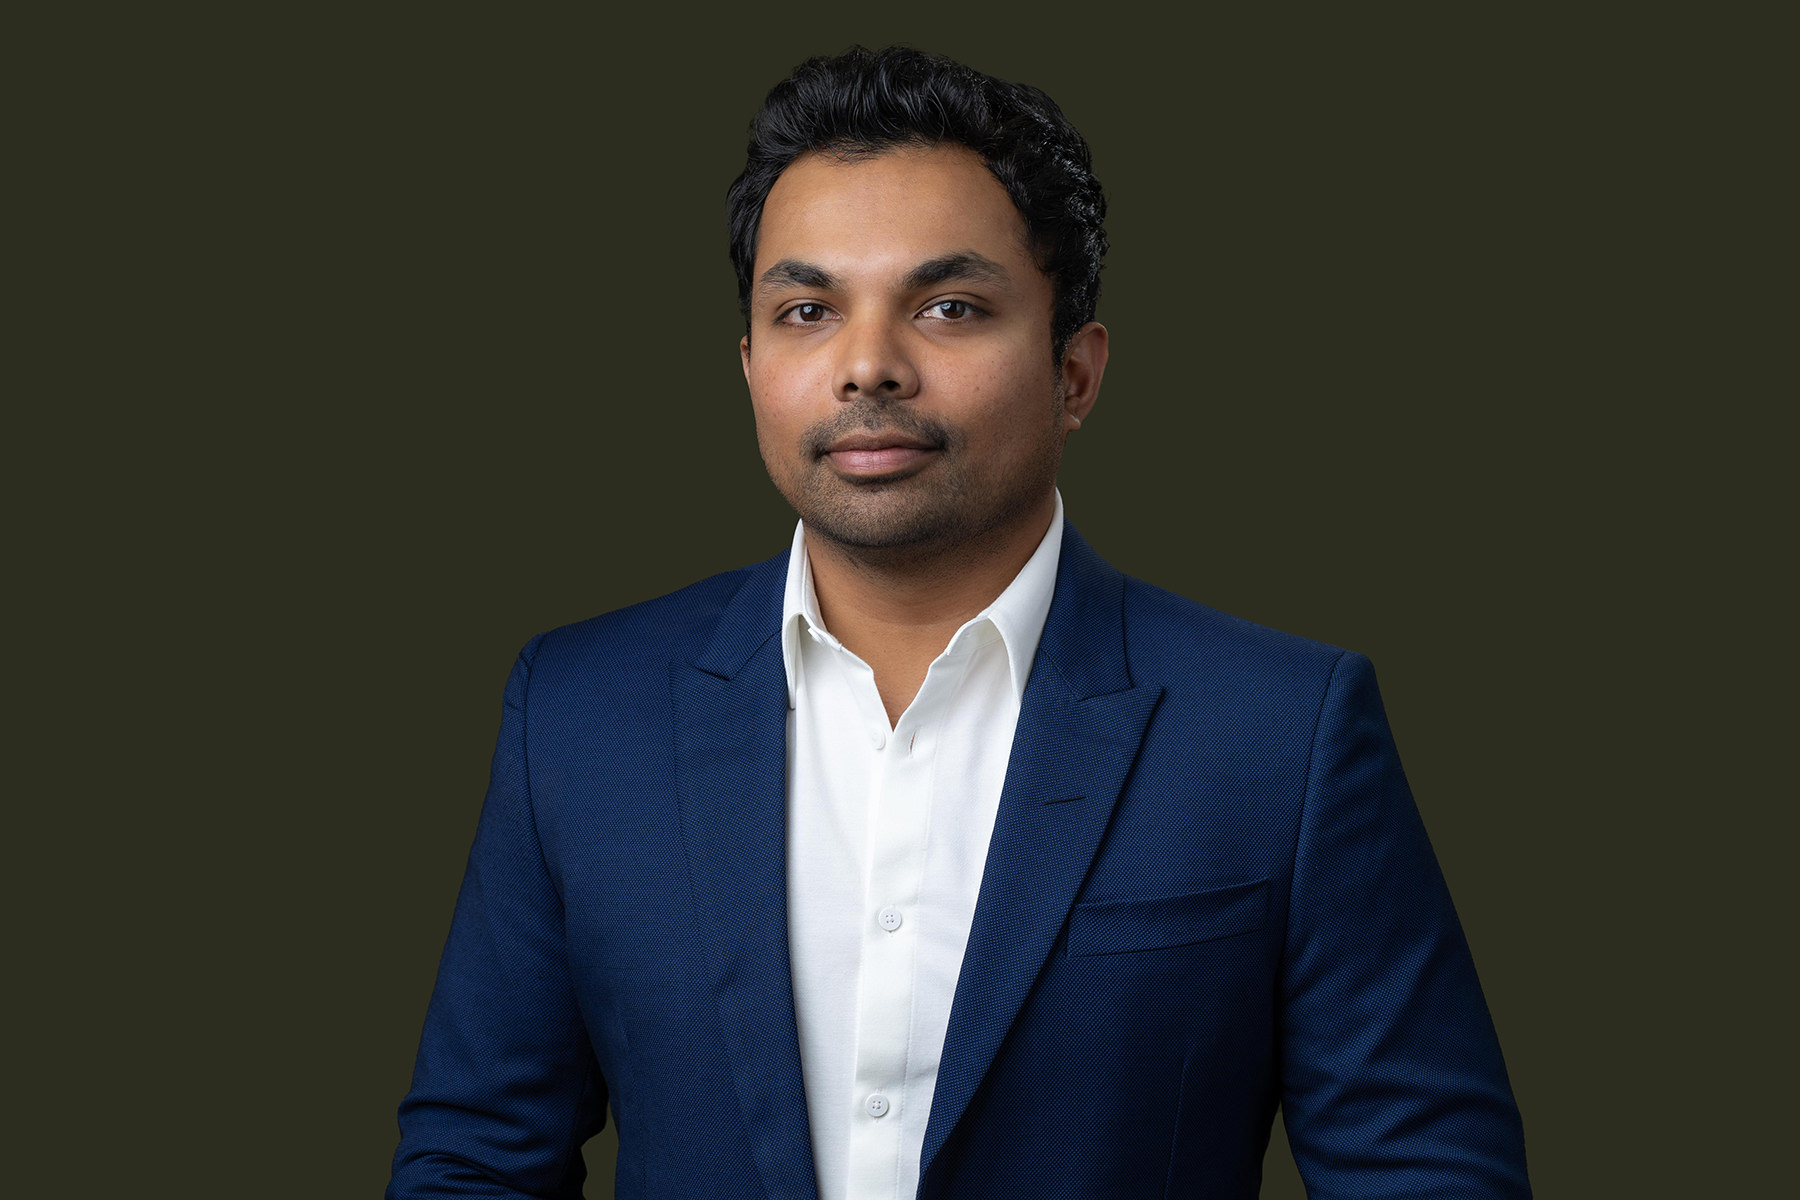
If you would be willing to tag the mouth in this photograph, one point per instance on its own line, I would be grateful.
(867, 455)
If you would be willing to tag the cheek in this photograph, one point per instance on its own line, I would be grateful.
(779, 384)
(771, 432)
(1008, 397)
(781, 418)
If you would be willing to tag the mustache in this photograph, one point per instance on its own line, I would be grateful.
(874, 418)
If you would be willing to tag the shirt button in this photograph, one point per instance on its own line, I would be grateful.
(878, 739)
(877, 1105)
(889, 918)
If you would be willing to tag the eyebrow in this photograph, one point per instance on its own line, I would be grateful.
(791, 272)
(961, 266)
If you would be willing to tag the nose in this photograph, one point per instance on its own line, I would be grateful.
(874, 363)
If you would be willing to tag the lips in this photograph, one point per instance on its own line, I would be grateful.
(877, 453)
(879, 441)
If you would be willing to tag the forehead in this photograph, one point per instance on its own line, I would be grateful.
(892, 210)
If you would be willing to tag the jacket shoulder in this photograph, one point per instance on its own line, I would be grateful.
(652, 632)
(1171, 639)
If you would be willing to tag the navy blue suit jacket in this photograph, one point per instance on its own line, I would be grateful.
(1208, 893)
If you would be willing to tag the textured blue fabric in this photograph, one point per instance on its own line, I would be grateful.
(1208, 893)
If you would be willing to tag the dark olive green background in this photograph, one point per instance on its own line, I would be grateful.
(373, 344)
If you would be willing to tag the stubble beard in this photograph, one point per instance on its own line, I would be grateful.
(935, 513)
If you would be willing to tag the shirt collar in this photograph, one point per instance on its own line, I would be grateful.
(1017, 614)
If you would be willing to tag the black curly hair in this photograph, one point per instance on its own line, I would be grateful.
(863, 103)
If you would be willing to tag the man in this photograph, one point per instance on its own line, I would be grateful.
(934, 856)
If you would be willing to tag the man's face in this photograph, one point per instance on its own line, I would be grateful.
(899, 360)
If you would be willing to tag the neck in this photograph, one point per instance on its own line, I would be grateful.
(898, 609)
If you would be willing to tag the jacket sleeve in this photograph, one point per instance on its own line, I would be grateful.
(505, 1089)
(1392, 1081)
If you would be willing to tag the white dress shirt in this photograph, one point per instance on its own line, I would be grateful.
(887, 835)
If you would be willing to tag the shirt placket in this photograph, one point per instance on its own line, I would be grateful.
(899, 824)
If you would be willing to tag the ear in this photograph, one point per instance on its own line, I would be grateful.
(1083, 365)
(744, 353)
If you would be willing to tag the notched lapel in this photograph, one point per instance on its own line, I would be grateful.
(1069, 761)
(1080, 727)
(731, 780)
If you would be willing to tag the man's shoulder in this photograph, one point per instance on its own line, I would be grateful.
(678, 625)
(1170, 638)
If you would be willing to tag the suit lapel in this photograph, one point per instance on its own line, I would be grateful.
(730, 714)
(1079, 730)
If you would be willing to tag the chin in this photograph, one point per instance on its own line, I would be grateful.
(854, 525)
(898, 526)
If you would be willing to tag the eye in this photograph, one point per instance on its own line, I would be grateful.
(949, 310)
(805, 314)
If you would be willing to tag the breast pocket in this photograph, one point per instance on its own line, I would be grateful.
(1158, 922)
